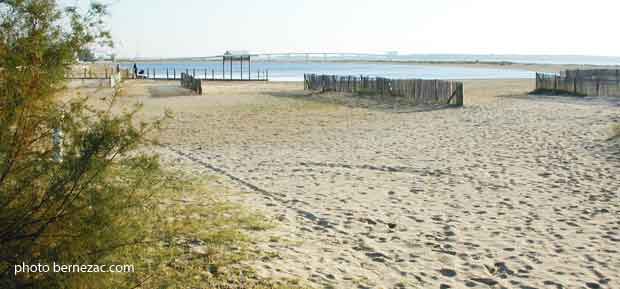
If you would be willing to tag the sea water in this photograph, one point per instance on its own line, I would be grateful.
(294, 71)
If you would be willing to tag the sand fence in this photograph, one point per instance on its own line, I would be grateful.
(413, 91)
(96, 71)
(189, 82)
(594, 82)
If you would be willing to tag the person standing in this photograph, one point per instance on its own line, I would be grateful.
(135, 71)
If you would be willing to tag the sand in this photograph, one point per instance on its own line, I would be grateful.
(513, 191)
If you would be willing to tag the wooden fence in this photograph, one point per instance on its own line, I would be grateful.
(595, 82)
(192, 83)
(95, 72)
(159, 74)
(414, 91)
(166, 73)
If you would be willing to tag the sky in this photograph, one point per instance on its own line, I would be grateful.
(193, 28)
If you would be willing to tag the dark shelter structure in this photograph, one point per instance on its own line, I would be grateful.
(231, 57)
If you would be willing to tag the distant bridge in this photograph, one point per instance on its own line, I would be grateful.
(314, 56)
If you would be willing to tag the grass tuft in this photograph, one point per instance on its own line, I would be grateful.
(194, 239)
(615, 131)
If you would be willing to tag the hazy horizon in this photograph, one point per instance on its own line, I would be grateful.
(192, 28)
(399, 56)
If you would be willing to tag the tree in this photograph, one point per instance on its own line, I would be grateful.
(69, 211)
(86, 55)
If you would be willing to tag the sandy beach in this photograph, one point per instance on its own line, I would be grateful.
(509, 191)
(309, 145)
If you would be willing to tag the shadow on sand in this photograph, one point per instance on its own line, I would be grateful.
(168, 91)
(569, 99)
(370, 102)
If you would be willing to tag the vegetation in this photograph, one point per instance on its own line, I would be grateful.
(543, 91)
(95, 197)
(196, 240)
(86, 55)
(62, 210)
(615, 131)
(365, 92)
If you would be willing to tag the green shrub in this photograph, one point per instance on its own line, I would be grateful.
(69, 211)
(102, 200)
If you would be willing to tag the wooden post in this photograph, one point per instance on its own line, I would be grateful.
(167, 77)
(212, 74)
(577, 77)
(175, 73)
(575, 85)
(267, 75)
(460, 94)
